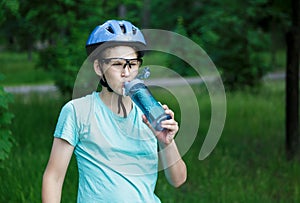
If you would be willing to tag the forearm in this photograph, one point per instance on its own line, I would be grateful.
(175, 168)
(51, 189)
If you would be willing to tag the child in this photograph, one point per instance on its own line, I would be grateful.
(116, 148)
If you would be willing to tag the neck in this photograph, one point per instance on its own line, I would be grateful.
(120, 105)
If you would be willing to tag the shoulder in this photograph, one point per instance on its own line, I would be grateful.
(79, 102)
(77, 105)
(83, 100)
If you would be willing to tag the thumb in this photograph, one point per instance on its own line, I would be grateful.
(145, 120)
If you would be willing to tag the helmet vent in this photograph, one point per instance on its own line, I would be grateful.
(133, 31)
(115, 31)
(109, 29)
(123, 28)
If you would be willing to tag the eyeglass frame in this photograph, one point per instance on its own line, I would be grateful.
(127, 61)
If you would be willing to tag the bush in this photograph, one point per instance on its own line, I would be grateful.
(62, 62)
(235, 40)
(6, 139)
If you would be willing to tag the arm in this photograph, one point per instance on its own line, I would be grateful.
(175, 168)
(55, 172)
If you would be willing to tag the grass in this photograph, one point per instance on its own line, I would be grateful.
(248, 164)
(18, 70)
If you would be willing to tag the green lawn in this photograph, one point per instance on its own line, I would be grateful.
(248, 164)
(18, 70)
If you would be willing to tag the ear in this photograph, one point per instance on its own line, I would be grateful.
(97, 68)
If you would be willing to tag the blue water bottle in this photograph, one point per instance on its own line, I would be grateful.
(142, 97)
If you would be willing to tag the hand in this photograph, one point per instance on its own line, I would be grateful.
(170, 127)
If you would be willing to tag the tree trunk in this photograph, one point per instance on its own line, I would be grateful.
(146, 13)
(29, 53)
(122, 11)
(292, 84)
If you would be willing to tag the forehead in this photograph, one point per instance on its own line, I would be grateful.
(119, 52)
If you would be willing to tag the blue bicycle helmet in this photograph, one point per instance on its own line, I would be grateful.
(114, 31)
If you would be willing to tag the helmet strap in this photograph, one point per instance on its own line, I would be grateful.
(120, 100)
(121, 105)
(104, 83)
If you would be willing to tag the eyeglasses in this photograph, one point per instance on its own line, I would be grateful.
(121, 63)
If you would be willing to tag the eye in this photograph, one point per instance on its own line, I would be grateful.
(133, 63)
(116, 64)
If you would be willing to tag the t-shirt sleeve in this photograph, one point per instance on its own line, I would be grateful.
(66, 127)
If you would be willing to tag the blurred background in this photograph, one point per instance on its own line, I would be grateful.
(253, 43)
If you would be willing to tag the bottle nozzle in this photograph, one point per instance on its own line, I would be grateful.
(144, 74)
(138, 79)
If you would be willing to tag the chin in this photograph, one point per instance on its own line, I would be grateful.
(119, 91)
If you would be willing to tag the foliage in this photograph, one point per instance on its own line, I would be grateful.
(235, 34)
(175, 63)
(62, 60)
(65, 53)
(18, 27)
(235, 42)
(64, 57)
(251, 36)
(6, 139)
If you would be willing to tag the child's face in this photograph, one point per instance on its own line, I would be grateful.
(117, 71)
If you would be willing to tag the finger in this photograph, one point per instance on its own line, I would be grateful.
(170, 112)
(169, 122)
(145, 120)
(165, 106)
(173, 126)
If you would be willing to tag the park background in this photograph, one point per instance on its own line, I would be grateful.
(42, 43)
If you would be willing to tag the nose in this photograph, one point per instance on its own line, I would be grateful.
(126, 71)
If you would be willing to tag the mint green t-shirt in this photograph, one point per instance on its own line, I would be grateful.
(117, 157)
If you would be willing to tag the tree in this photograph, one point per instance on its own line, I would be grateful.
(70, 22)
(292, 83)
(229, 31)
(70, 26)
(19, 27)
(231, 34)
(9, 13)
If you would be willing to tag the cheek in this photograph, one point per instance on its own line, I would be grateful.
(112, 77)
(134, 73)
